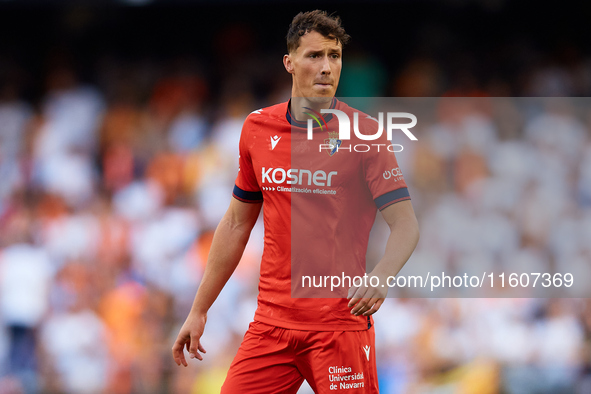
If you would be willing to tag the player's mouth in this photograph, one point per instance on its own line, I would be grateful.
(323, 85)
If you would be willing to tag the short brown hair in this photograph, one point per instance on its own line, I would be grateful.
(319, 21)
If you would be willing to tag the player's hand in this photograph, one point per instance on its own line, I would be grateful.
(367, 300)
(189, 337)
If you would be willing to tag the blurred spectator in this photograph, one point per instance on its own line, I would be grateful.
(74, 341)
(25, 279)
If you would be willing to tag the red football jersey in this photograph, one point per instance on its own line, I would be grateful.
(319, 204)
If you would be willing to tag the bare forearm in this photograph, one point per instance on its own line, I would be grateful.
(404, 236)
(226, 251)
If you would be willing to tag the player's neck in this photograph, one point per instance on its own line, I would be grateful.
(300, 107)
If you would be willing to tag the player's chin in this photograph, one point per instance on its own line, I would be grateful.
(322, 95)
(324, 90)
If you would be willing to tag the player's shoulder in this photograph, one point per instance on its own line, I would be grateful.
(363, 119)
(261, 115)
(366, 123)
(349, 110)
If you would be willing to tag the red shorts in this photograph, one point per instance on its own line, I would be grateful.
(277, 360)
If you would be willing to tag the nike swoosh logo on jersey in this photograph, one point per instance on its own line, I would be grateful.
(274, 141)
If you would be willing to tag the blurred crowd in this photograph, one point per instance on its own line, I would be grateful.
(110, 192)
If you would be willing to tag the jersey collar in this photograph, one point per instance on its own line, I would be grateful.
(294, 122)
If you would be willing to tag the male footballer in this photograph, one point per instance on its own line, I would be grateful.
(320, 199)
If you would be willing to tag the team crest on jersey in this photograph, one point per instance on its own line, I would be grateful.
(334, 141)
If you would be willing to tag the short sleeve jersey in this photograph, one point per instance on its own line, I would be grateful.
(319, 204)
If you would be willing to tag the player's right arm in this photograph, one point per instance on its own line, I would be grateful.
(228, 244)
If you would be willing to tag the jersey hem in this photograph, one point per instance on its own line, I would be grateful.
(393, 202)
(246, 201)
(392, 197)
(246, 196)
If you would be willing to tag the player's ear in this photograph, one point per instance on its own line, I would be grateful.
(288, 63)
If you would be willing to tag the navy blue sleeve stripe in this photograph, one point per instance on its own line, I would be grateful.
(393, 202)
(243, 195)
(394, 195)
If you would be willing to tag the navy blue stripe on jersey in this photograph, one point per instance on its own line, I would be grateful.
(392, 197)
(297, 123)
(245, 196)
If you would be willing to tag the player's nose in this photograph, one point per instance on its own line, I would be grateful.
(325, 66)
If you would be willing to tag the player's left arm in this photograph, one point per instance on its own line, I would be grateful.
(404, 236)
